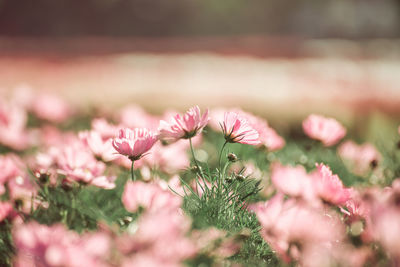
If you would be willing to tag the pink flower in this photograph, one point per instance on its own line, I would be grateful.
(162, 154)
(134, 143)
(328, 130)
(10, 166)
(238, 130)
(329, 187)
(5, 210)
(105, 129)
(133, 116)
(186, 126)
(150, 196)
(42, 245)
(286, 226)
(359, 157)
(50, 107)
(102, 149)
(292, 181)
(12, 126)
(78, 164)
(22, 190)
(155, 243)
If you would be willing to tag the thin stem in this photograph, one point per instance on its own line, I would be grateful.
(132, 173)
(220, 154)
(194, 158)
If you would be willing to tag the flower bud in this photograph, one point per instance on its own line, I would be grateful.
(240, 177)
(232, 157)
(195, 169)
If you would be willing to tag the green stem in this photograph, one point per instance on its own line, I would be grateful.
(194, 158)
(220, 154)
(132, 173)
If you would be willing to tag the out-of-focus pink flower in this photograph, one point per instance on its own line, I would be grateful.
(150, 196)
(329, 187)
(10, 166)
(51, 107)
(105, 129)
(293, 181)
(359, 157)
(328, 130)
(133, 116)
(5, 210)
(158, 244)
(270, 139)
(286, 226)
(12, 126)
(155, 244)
(386, 229)
(78, 164)
(21, 190)
(238, 130)
(161, 156)
(41, 245)
(267, 136)
(101, 148)
(186, 126)
(134, 143)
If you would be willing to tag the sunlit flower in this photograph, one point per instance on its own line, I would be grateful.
(186, 126)
(238, 130)
(134, 143)
(328, 130)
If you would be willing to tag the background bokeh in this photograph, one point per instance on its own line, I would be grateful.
(282, 59)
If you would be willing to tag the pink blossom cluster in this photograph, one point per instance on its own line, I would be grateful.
(313, 218)
(310, 217)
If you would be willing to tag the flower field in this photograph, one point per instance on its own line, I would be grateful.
(197, 187)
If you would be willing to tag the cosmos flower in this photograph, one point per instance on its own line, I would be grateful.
(237, 129)
(186, 126)
(134, 143)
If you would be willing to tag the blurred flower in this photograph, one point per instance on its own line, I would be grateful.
(133, 116)
(134, 143)
(286, 226)
(100, 148)
(157, 244)
(292, 181)
(12, 126)
(267, 136)
(5, 210)
(149, 196)
(105, 129)
(78, 164)
(238, 130)
(42, 245)
(10, 166)
(329, 187)
(186, 126)
(162, 154)
(51, 107)
(328, 130)
(359, 157)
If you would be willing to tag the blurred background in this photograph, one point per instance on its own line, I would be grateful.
(279, 58)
